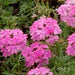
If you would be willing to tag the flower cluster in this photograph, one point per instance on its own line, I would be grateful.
(40, 71)
(44, 28)
(67, 12)
(12, 41)
(37, 53)
(71, 45)
(52, 38)
(71, 2)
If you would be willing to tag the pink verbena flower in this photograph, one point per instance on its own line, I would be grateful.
(36, 53)
(12, 41)
(52, 38)
(70, 50)
(71, 39)
(71, 2)
(40, 71)
(43, 28)
(67, 12)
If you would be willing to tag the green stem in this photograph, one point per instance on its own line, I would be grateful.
(18, 63)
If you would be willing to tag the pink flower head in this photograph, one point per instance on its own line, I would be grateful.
(40, 71)
(12, 41)
(70, 50)
(51, 40)
(71, 2)
(67, 12)
(43, 28)
(36, 53)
